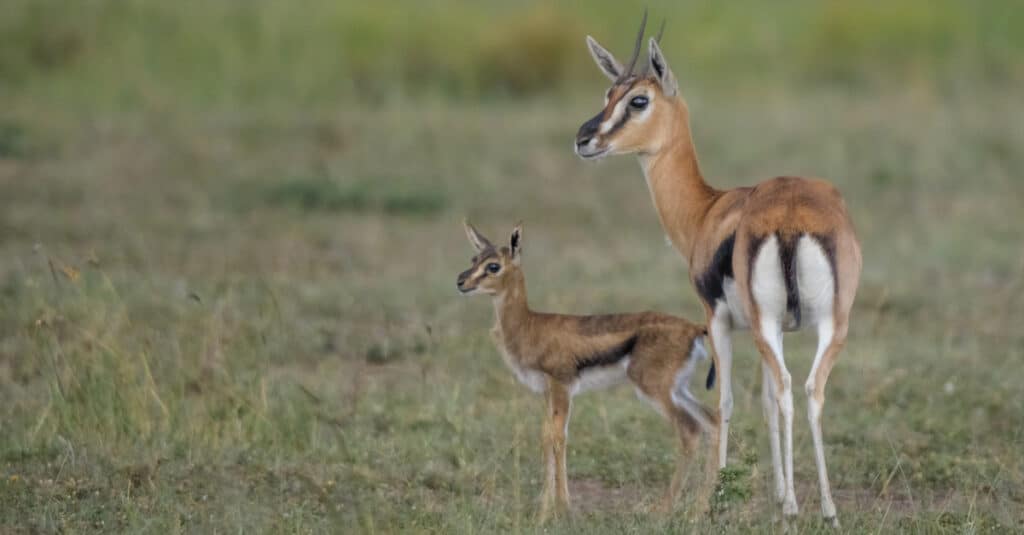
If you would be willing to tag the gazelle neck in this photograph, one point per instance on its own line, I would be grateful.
(510, 307)
(680, 195)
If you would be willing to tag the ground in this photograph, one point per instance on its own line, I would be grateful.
(221, 321)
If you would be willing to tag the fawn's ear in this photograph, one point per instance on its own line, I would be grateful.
(478, 240)
(515, 243)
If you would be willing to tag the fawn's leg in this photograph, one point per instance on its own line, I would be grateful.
(556, 490)
(686, 430)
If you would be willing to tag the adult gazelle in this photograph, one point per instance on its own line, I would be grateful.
(778, 256)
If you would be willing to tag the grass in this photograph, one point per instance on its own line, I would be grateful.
(173, 362)
(114, 55)
(237, 313)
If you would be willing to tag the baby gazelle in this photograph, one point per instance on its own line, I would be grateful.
(561, 356)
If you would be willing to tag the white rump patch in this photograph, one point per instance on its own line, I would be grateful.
(700, 350)
(814, 279)
(767, 283)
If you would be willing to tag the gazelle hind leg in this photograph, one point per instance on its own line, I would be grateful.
(771, 415)
(769, 301)
(816, 278)
(830, 342)
(698, 420)
(768, 338)
(687, 431)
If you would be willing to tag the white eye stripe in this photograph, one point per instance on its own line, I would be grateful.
(620, 110)
(617, 113)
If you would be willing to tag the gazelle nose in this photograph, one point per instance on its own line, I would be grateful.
(588, 129)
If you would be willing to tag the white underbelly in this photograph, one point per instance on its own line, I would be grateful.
(599, 377)
(533, 379)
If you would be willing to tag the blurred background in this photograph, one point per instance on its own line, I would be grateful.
(229, 234)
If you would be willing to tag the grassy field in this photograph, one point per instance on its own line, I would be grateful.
(225, 310)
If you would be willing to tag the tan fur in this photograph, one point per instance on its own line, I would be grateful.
(699, 218)
(554, 346)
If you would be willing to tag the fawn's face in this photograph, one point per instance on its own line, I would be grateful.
(492, 267)
(634, 118)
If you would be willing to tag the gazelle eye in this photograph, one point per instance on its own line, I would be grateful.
(638, 102)
(493, 267)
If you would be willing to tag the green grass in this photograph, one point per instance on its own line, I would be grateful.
(132, 54)
(227, 294)
(186, 347)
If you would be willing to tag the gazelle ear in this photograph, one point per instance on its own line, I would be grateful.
(515, 243)
(604, 59)
(478, 240)
(660, 68)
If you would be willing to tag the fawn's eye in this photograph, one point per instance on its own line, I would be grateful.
(493, 267)
(638, 102)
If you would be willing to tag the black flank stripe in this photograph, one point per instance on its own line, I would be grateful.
(626, 115)
(709, 284)
(608, 356)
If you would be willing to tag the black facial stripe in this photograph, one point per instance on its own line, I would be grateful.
(465, 274)
(589, 128)
(483, 259)
(608, 356)
(625, 117)
(709, 284)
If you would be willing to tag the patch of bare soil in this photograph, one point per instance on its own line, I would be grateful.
(593, 495)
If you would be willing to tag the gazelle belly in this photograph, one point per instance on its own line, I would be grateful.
(599, 377)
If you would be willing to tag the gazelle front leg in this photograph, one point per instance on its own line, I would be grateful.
(719, 329)
(556, 483)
